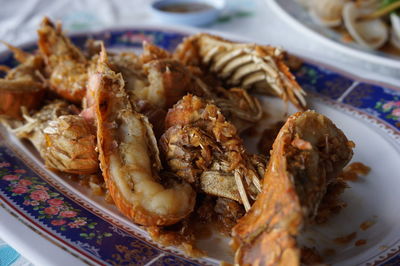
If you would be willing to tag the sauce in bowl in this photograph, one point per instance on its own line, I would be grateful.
(185, 7)
(189, 12)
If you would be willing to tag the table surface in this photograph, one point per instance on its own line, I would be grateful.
(251, 19)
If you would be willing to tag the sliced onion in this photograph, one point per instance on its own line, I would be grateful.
(327, 12)
(370, 34)
(395, 34)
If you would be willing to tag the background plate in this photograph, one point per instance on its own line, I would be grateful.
(298, 17)
(51, 219)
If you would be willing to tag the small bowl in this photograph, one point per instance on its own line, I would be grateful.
(189, 12)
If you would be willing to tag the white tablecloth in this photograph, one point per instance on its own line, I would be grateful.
(249, 18)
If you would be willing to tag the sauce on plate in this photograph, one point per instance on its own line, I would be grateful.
(345, 239)
(367, 224)
(360, 242)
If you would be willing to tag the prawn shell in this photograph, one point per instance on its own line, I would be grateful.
(65, 63)
(70, 145)
(169, 81)
(255, 248)
(308, 154)
(106, 105)
(137, 213)
(244, 65)
(12, 100)
(76, 92)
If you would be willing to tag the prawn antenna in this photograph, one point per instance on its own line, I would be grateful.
(103, 53)
(19, 54)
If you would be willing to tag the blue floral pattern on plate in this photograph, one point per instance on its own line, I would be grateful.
(378, 101)
(322, 81)
(92, 237)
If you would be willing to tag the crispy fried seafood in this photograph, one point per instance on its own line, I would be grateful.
(65, 141)
(168, 80)
(65, 64)
(105, 115)
(203, 148)
(129, 158)
(33, 126)
(308, 154)
(69, 143)
(22, 85)
(245, 65)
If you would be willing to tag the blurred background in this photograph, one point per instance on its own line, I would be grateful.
(251, 19)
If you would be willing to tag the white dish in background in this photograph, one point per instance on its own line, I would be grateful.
(299, 18)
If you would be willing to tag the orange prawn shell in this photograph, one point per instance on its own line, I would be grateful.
(267, 234)
(135, 212)
(12, 101)
(65, 63)
(254, 248)
(138, 214)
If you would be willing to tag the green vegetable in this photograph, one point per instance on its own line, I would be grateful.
(386, 3)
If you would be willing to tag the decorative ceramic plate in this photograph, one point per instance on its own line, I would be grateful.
(52, 220)
(297, 16)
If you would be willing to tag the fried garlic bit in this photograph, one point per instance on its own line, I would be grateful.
(248, 66)
(308, 154)
(202, 148)
(129, 157)
(65, 63)
(22, 85)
